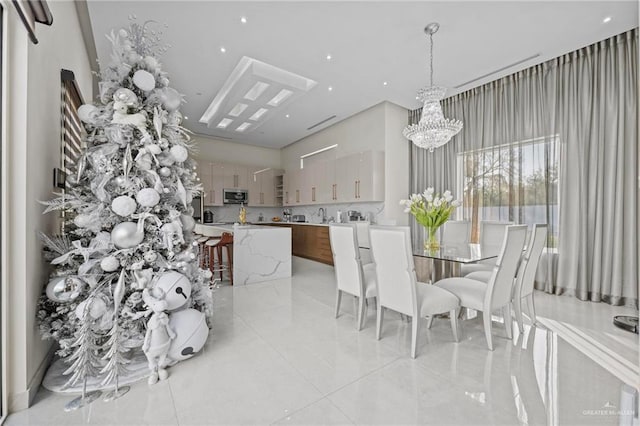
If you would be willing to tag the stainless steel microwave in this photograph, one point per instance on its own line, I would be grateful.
(235, 196)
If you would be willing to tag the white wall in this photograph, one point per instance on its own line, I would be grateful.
(236, 153)
(360, 132)
(396, 163)
(32, 150)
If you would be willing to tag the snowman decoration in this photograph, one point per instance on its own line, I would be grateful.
(159, 335)
(174, 331)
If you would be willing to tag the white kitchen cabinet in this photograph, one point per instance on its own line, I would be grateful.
(235, 177)
(211, 179)
(360, 177)
(319, 183)
(262, 187)
(292, 187)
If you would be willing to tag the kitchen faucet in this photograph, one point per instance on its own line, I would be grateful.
(323, 214)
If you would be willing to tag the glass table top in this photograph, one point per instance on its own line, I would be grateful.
(461, 253)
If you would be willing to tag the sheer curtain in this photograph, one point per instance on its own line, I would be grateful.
(587, 102)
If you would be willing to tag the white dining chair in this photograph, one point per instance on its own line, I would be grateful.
(496, 294)
(491, 237)
(351, 276)
(398, 287)
(525, 277)
(455, 232)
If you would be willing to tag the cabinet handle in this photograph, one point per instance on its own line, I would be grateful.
(286, 197)
(313, 193)
(355, 188)
(358, 189)
(335, 191)
(297, 195)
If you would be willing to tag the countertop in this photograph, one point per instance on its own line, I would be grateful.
(260, 224)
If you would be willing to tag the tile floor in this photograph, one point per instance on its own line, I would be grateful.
(277, 356)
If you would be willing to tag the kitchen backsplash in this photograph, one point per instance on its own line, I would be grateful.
(373, 211)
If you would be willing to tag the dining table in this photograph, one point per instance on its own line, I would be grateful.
(435, 264)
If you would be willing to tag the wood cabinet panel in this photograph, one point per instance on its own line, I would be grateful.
(311, 242)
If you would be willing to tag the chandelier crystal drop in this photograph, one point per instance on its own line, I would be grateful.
(433, 130)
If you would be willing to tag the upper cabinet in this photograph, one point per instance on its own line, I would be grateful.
(235, 177)
(210, 175)
(262, 187)
(355, 178)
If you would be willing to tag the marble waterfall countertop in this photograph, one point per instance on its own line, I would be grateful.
(260, 253)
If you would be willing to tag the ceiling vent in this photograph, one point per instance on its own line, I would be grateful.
(321, 122)
(251, 94)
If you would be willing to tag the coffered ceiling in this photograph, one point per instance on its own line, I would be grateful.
(350, 54)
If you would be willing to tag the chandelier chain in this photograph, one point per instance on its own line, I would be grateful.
(431, 60)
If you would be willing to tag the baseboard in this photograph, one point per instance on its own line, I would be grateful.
(22, 400)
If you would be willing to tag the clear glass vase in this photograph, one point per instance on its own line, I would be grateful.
(431, 239)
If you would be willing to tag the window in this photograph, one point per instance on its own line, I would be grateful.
(515, 182)
(71, 127)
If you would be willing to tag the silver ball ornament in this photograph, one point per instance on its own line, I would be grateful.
(124, 235)
(179, 153)
(164, 171)
(166, 190)
(123, 206)
(148, 197)
(144, 80)
(83, 221)
(64, 289)
(110, 264)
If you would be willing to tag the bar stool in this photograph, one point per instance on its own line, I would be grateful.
(215, 246)
(203, 253)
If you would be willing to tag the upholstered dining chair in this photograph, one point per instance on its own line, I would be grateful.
(491, 237)
(398, 287)
(456, 232)
(351, 276)
(526, 274)
(496, 294)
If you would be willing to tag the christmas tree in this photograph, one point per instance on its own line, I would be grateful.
(125, 275)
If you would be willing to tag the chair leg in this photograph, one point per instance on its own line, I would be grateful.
(508, 321)
(430, 320)
(531, 308)
(486, 319)
(414, 336)
(379, 319)
(338, 300)
(517, 307)
(361, 312)
(453, 315)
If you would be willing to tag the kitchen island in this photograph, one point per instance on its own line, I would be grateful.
(260, 253)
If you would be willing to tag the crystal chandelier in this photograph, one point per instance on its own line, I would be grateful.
(433, 130)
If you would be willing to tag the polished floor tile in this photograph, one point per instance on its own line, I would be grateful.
(277, 355)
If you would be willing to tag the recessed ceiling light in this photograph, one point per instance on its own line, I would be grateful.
(238, 109)
(186, 118)
(384, 83)
(222, 49)
(281, 96)
(287, 116)
(607, 19)
(259, 113)
(243, 19)
(224, 123)
(328, 57)
(243, 127)
(256, 90)
(330, 88)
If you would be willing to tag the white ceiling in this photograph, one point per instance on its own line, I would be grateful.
(369, 43)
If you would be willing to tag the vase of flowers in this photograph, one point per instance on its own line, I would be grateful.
(431, 211)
